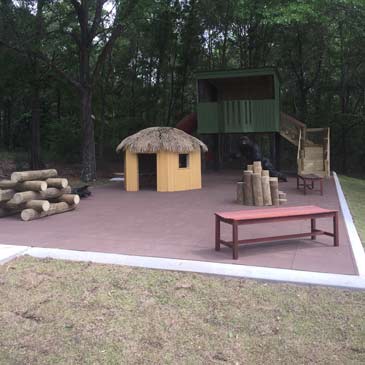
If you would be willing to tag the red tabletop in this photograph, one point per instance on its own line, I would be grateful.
(274, 212)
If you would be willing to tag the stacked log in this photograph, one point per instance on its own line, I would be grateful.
(36, 194)
(258, 188)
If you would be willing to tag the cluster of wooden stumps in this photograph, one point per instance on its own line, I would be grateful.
(36, 194)
(258, 188)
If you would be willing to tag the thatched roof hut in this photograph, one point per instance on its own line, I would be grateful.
(155, 139)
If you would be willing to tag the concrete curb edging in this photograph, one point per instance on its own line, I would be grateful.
(10, 252)
(356, 245)
(203, 267)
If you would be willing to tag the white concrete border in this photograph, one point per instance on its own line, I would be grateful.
(8, 252)
(203, 267)
(356, 245)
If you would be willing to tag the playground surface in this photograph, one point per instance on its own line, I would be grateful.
(181, 225)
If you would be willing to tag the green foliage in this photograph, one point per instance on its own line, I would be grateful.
(318, 47)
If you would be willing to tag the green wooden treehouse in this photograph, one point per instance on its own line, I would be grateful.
(248, 101)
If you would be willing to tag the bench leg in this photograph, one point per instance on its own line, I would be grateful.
(335, 230)
(217, 233)
(313, 227)
(321, 186)
(235, 240)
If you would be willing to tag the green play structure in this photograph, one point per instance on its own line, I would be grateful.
(238, 101)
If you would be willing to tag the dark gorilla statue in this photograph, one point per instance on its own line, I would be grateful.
(252, 152)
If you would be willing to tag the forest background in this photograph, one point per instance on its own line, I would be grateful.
(78, 76)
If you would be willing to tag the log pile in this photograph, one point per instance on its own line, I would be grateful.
(258, 188)
(36, 194)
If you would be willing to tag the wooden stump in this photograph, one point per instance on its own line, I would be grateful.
(249, 168)
(265, 173)
(274, 188)
(266, 192)
(257, 189)
(257, 168)
(247, 187)
(55, 208)
(240, 193)
(33, 175)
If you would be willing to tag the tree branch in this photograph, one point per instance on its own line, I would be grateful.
(117, 31)
(96, 21)
(42, 57)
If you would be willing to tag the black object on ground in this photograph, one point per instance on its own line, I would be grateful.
(82, 191)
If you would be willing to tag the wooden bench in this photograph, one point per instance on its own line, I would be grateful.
(273, 215)
(307, 182)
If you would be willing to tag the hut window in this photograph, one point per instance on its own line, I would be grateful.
(183, 160)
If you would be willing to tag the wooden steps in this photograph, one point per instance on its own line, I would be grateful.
(312, 157)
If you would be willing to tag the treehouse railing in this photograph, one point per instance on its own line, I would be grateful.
(292, 129)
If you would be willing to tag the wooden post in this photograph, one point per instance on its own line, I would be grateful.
(257, 167)
(257, 189)
(265, 173)
(247, 187)
(240, 193)
(274, 188)
(266, 192)
(249, 168)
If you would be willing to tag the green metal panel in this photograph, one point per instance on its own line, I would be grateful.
(247, 116)
(239, 116)
(208, 116)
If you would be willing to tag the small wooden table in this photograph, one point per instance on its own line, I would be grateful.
(273, 215)
(307, 182)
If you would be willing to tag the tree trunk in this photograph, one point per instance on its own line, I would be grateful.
(88, 172)
(35, 150)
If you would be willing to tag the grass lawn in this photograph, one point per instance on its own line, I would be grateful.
(58, 312)
(354, 190)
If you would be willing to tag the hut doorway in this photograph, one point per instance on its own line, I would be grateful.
(147, 171)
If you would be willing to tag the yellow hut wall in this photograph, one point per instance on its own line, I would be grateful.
(169, 176)
(172, 178)
(131, 179)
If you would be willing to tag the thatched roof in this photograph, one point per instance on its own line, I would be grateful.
(154, 139)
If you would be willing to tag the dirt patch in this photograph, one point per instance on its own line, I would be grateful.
(63, 312)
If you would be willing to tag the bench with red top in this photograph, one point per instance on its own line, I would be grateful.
(273, 215)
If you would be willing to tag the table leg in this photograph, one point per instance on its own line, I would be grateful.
(297, 182)
(217, 233)
(335, 230)
(313, 227)
(235, 240)
(321, 185)
(305, 186)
